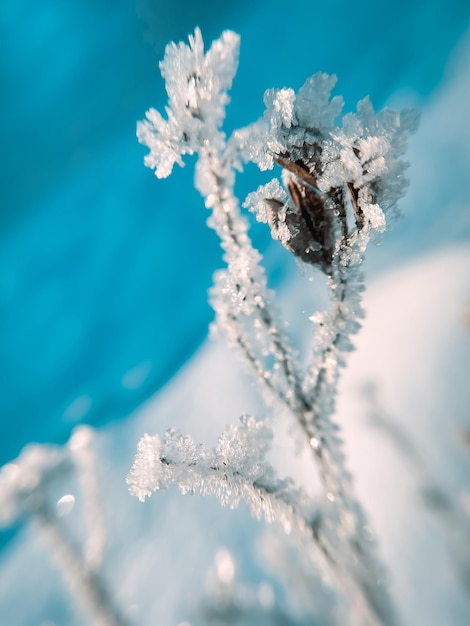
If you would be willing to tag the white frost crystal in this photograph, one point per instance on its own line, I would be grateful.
(236, 470)
(256, 200)
(197, 86)
(331, 163)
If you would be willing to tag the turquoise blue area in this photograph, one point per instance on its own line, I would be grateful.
(104, 270)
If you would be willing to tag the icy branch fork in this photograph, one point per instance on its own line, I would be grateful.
(339, 182)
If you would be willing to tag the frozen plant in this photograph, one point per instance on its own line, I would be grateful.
(29, 488)
(340, 181)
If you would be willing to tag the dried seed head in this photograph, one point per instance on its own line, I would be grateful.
(307, 224)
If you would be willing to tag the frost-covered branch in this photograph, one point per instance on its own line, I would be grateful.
(25, 493)
(341, 179)
(243, 304)
(86, 583)
(237, 470)
(82, 453)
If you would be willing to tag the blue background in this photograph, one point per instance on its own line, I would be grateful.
(103, 269)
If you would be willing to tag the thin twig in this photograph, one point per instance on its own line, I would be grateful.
(87, 585)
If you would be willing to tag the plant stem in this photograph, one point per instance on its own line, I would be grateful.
(87, 585)
(315, 422)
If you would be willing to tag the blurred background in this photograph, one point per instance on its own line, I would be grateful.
(104, 270)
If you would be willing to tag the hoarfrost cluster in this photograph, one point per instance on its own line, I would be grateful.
(236, 470)
(197, 86)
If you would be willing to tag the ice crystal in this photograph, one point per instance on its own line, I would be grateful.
(197, 86)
